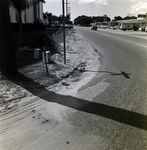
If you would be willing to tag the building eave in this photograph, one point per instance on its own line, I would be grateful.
(140, 20)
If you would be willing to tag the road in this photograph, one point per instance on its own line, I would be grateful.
(109, 112)
(124, 101)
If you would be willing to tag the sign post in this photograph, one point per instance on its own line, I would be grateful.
(64, 32)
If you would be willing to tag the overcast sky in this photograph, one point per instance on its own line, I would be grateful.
(98, 7)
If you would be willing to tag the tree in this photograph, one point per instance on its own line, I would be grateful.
(49, 16)
(44, 17)
(60, 18)
(127, 18)
(54, 18)
(133, 17)
(106, 18)
(83, 20)
(37, 1)
(8, 66)
(67, 18)
(118, 18)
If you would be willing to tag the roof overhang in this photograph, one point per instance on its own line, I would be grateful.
(132, 21)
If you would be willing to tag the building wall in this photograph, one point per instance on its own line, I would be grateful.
(29, 15)
(13, 14)
(41, 10)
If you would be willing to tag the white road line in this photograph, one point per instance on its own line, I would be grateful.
(139, 36)
(105, 34)
(141, 45)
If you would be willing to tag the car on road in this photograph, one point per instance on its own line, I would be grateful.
(94, 27)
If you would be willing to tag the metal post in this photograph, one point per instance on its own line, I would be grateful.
(146, 19)
(64, 32)
(45, 60)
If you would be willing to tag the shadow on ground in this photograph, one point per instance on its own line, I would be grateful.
(126, 75)
(117, 114)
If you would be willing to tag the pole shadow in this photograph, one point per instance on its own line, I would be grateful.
(126, 75)
(117, 114)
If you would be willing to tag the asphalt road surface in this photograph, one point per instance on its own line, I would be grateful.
(123, 104)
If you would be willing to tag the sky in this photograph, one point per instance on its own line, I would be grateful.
(111, 8)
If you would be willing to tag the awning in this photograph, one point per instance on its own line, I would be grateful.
(133, 21)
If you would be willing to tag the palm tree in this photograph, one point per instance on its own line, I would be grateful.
(8, 66)
(60, 18)
(44, 17)
(49, 15)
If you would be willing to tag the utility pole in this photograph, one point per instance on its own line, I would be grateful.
(67, 7)
(68, 10)
(146, 19)
(64, 32)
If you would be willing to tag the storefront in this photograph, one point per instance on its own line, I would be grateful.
(140, 23)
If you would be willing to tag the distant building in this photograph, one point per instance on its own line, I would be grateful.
(32, 14)
(140, 22)
(103, 21)
(104, 24)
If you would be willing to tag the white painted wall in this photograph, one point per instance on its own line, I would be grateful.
(30, 14)
(41, 11)
(27, 15)
(12, 14)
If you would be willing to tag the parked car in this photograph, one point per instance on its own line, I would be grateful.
(115, 27)
(142, 28)
(104, 27)
(71, 26)
(100, 26)
(135, 28)
(146, 29)
(53, 25)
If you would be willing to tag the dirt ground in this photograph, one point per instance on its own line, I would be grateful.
(32, 76)
(31, 110)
